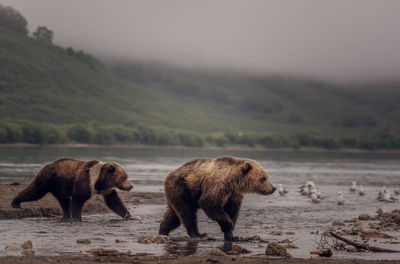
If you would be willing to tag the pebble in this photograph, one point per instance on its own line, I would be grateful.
(83, 241)
(364, 217)
(14, 247)
(276, 233)
(27, 245)
(217, 252)
(274, 249)
(236, 250)
(101, 251)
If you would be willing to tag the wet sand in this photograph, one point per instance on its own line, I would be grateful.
(182, 259)
(48, 207)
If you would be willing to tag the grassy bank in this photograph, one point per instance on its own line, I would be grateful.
(22, 131)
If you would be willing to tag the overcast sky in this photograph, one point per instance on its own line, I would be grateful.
(339, 40)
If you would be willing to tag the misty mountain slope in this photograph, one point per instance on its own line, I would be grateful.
(46, 83)
(273, 104)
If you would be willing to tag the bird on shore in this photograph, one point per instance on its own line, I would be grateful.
(384, 195)
(340, 199)
(319, 194)
(353, 186)
(361, 190)
(282, 191)
(306, 188)
(314, 198)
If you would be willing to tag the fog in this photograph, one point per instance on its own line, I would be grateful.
(341, 40)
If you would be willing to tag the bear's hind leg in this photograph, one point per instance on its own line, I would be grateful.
(187, 214)
(170, 222)
(32, 192)
(65, 204)
(115, 203)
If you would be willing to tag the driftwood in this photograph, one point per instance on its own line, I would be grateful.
(363, 247)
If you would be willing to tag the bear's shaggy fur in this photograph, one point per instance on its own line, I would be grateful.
(73, 182)
(215, 185)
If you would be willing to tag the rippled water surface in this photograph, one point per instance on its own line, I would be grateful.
(147, 169)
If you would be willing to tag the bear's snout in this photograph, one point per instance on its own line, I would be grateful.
(273, 189)
(126, 186)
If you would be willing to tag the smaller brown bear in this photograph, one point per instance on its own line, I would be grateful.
(215, 185)
(73, 182)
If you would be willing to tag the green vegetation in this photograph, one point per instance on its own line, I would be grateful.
(15, 131)
(54, 95)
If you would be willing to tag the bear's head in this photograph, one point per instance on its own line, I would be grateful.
(112, 175)
(255, 178)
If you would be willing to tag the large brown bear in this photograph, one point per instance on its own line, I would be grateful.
(73, 182)
(215, 185)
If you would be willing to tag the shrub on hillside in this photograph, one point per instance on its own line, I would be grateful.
(12, 19)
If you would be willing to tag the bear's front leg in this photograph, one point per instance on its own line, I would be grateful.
(115, 203)
(218, 214)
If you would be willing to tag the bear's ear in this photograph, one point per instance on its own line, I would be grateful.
(109, 167)
(246, 167)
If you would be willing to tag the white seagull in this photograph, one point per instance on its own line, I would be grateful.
(384, 195)
(314, 198)
(361, 190)
(282, 191)
(353, 186)
(340, 199)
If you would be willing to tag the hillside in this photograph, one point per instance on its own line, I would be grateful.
(46, 83)
(277, 104)
(53, 95)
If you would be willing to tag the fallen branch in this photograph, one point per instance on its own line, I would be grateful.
(363, 247)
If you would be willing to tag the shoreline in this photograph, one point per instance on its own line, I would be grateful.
(95, 206)
(235, 148)
(194, 259)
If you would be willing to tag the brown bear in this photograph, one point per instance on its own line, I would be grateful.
(73, 182)
(215, 185)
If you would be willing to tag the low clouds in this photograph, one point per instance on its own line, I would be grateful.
(342, 40)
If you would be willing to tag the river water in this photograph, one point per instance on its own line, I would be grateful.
(260, 215)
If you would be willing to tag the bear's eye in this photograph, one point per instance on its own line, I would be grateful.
(263, 179)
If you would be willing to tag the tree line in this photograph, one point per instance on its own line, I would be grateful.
(22, 131)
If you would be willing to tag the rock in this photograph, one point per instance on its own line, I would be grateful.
(274, 249)
(101, 251)
(249, 238)
(28, 252)
(27, 245)
(13, 247)
(290, 245)
(322, 252)
(236, 250)
(276, 233)
(160, 239)
(290, 233)
(217, 252)
(364, 217)
(120, 241)
(97, 239)
(379, 211)
(336, 223)
(15, 183)
(83, 241)
(144, 240)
